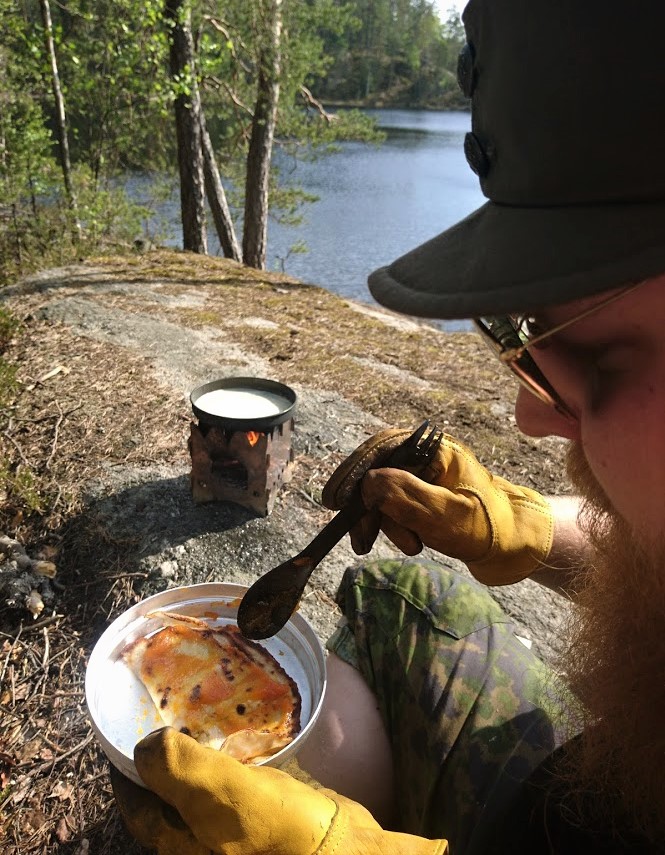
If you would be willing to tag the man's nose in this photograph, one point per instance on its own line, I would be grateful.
(536, 418)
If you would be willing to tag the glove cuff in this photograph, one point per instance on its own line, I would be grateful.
(350, 835)
(521, 517)
(370, 455)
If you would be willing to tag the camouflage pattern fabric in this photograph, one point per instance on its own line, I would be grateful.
(470, 711)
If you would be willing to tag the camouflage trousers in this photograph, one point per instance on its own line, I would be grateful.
(470, 712)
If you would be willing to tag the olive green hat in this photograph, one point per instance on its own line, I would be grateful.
(568, 140)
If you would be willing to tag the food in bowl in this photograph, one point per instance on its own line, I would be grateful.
(120, 708)
(225, 691)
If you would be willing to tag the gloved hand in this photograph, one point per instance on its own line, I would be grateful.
(502, 532)
(229, 808)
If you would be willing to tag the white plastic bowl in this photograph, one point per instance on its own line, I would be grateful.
(121, 710)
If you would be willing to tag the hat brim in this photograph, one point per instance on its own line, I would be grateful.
(502, 259)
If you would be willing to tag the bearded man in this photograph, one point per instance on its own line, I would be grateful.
(438, 720)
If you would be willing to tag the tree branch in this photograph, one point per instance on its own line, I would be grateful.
(232, 40)
(311, 101)
(221, 84)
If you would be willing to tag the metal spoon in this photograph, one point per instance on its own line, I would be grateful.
(273, 598)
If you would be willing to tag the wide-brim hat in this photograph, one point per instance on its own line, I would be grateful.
(568, 140)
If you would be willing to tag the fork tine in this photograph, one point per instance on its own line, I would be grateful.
(436, 443)
(429, 445)
(424, 443)
(417, 435)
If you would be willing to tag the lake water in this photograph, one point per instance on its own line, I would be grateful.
(378, 203)
(375, 203)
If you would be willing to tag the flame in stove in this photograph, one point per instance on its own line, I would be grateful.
(252, 437)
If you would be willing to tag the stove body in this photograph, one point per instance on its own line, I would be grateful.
(247, 467)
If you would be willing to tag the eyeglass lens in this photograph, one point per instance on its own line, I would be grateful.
(503, 334)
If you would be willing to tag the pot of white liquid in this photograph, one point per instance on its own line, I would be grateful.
(243, 403)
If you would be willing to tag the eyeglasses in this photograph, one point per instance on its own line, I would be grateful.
(509, 338)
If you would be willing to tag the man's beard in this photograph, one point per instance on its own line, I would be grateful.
(615, 664)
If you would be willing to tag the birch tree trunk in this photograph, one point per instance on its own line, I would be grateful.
(217, 197)
(188, 128)
(255, 232)
(61, 118)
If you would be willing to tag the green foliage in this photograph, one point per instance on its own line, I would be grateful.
(298, 248)
(113, 61)
(107, 213)
(20, 488)
(26, 165)
(307, 133)
(230, 56)
(287, 203)
(36, 230)
(399, 54)
(8, 382)
(112, 57)
(9, 327)
(25, 138)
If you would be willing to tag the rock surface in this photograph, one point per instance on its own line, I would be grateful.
(181, 330)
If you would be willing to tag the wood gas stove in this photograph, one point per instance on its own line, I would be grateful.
(241, 448)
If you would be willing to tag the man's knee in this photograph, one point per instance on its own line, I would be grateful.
(348, 749)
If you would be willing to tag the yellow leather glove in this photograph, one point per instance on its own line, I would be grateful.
(502, 532)
(228, 808)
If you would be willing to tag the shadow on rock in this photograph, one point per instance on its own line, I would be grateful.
(136, 542)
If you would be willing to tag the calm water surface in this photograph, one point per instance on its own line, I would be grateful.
(375, 203)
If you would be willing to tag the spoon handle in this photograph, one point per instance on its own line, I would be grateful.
(334, 531)
(272, 599)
